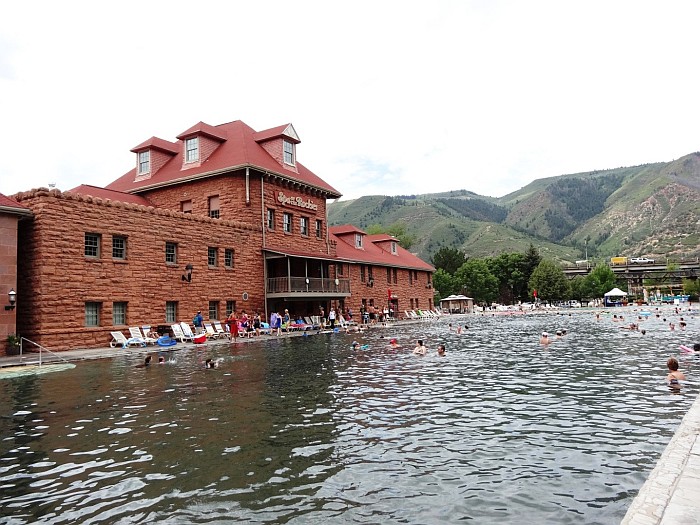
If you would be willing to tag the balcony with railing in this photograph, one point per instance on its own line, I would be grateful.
(307, 287)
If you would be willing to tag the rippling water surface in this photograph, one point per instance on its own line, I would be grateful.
(304, 430)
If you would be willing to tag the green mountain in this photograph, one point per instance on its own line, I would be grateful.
(651, 210)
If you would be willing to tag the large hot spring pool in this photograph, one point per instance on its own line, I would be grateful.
(304, 430)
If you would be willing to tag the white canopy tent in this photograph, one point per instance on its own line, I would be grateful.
(615, 292)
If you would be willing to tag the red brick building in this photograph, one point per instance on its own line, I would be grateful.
(225, 218)
(11, 212)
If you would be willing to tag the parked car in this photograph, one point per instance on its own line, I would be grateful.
(641, 260)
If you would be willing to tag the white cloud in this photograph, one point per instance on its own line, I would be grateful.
(388, 97)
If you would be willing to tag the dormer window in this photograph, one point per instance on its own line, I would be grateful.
(192, 149)
(288, 152)
(393, 247)
(358, 240)
(144, 162)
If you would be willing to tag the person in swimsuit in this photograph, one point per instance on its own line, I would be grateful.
(420, 348)
(441, 351)
(674, 376)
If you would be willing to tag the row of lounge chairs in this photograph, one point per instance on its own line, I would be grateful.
(213, 330)
(422, 314)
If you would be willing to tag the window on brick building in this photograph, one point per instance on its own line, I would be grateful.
(396, 275)
(358, 240)
(394, 249)
(186, 206)
(213, 309)
(270, 219)
(119, 313)
(144, 162)
(388, 275)
(362, 273)
(214, 206)
(339, 269)
(92, 245)
(319, 228)
(287, 222)
(212, 256)
(192, 149)
(171, 253)
(92, 313)
(230, 307)
(171, 312)
(304, 225)
(410, 277)
(118, 247)
(288, 152)
(228, 257)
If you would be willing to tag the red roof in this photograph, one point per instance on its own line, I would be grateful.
(156, 143)
(345, 229)
(203, 129)
(239, 150)
(272, 133)
(8, 205)
(102, 193)
(370, 253)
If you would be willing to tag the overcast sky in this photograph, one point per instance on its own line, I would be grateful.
(388, 97)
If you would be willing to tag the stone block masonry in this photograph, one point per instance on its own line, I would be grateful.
(61, 284)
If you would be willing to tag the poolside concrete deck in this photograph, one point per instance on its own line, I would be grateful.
(671, 493)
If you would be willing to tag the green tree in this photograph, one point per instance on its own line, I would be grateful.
(579, 288)
(691, 287)
(532, 259)
(398, 230)
(445, 283)
(510, 269)
(600, 280)
(476, 279)
(449, 259)
(550, 281)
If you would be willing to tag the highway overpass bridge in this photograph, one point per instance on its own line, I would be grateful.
(669, 272)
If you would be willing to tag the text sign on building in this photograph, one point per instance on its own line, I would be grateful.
(296, 201)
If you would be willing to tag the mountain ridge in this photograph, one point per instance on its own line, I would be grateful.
(650, 210)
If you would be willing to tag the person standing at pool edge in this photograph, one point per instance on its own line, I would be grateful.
(198, 322)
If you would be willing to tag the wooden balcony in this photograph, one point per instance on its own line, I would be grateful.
(303, 287)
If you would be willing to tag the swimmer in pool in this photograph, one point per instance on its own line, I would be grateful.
(544, 338)
(420, 348)
(441, 351)
(394, 344)
(674, 376)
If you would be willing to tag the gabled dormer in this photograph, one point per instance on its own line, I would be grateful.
(350, 234)
(387, 243)
(281, 144)
(151, 156)
(198, 143)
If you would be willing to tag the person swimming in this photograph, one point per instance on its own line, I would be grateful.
(545, 339)
(674, 376)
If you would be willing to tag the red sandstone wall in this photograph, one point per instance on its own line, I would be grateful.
(8, 276)
(403, 290)
(57, 278)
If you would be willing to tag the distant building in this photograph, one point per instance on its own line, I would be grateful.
(224, 219)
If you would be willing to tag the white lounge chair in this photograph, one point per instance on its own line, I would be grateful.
(187, 330)
(135, 332)
(219, 329)
(119, 339)
(179, 334)
(211, 333)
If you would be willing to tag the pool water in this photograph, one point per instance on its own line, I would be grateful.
(306, 430)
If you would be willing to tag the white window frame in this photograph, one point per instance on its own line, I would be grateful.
(358, 240)
(92, 245)
(144, 162)
(304, 226)
(287, 222)
(288, 152)
(192, 149)
(171, 311)
(171, 258)
(119, 252)
(92, 313)
(119, 313)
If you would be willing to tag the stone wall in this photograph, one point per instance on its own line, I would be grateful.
(58, 279)
(8, 275)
